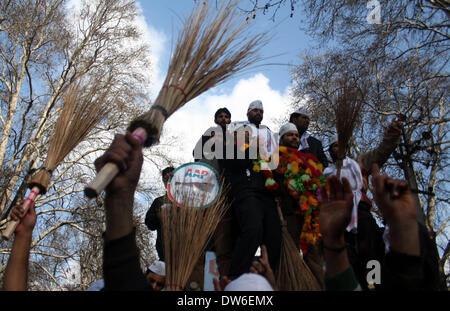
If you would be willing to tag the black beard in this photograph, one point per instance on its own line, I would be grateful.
(256, 120)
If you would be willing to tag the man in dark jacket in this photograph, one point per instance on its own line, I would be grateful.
(253, 206)
(152, 218)
(308, 144)
(222, 118)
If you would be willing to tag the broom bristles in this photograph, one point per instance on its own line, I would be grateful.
(186, 231)
(347, 112)
(208, 52)
(293, 273)
(79, 114)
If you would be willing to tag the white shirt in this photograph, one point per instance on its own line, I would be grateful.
(266, 138)
(352, 171)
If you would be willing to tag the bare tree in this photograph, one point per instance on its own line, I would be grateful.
(45, 47)
(410, 88)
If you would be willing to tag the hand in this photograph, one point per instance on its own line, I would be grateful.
(393, 197)
(27, 219)
(262, 267)
(335, 212)
(219, 286)
(396, 202)
(126, 153)
(396, 126)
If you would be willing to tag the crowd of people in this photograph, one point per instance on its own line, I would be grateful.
(346, 238)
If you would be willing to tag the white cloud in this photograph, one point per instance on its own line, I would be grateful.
(192, 120)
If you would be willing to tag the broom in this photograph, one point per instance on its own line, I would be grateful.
(347, 112)
(79, 114)
(293, 273)
(186, 231)
(208, 52)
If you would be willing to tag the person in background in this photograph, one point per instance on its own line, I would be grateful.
(308, 143)
(152, 218)
(156, 275)
(217, 136)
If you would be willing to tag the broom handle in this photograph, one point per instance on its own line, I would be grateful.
(339, 166)
(280, 214)
(12, 224)
(110, 170)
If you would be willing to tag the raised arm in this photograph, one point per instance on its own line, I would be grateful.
(126, 152)
(121, 268)
(380, 154)
(16, 274)
(335, 213)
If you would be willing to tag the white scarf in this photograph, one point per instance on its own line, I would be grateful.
(303, 141)
(352, 171)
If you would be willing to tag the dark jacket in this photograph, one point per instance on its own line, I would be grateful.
(153, 223)
(121, 268)
(316, 149)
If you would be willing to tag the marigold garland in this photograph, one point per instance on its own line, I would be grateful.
(302, 178)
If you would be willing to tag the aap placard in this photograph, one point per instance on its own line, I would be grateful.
(194, 185)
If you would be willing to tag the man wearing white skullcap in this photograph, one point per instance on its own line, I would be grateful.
(289, 136)
(308, 143)
(350, 170)
(253, 206)
(256, 104)
(267, 143)
(156, 275)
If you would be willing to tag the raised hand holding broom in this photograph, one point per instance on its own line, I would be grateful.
(209, 50)
(81, 111)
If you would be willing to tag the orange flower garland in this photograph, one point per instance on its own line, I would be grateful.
(302, 178)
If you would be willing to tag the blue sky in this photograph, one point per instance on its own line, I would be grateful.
(268, 82)
(288, 41)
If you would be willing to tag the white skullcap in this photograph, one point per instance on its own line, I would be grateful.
(158, 267)
(286, 128)
(302, 111)
(257, 104)
(97, 286)
(249, 282)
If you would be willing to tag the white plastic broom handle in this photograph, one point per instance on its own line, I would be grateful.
(109, 171)
(12, 224)
(102, 180)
